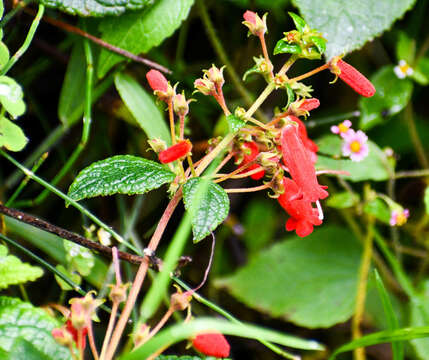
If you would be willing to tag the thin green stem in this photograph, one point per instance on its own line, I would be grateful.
(412, 174)
(221, 53)
(415, 138)
(231, 318)
(25, 181)
(68, 199)
(21, 5)
(365, 265)
(27, 40)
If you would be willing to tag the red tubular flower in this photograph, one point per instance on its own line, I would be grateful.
(175, 152)
(74, 332)
(353, 78)
(303, 215)
(157, 81)
(309, 104)
(300, 166)
(302, 132)
(248, 157)
(212, 344)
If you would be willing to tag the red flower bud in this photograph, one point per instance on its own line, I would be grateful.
(212, 344)
(181, 149)
(256, 25)
(300, 166)
(157, 81)
(353, 78)
(248, 157)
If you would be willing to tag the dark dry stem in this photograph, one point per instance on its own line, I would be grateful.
(100, 42)
(68, 235)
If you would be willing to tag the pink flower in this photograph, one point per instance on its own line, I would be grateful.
(250, 17)
(212, 344)
(256, 25)
(297, 159)
(303, 215)
(399, 217)
(355, 145)
(352, 77)
(157, 81)
(341, 128)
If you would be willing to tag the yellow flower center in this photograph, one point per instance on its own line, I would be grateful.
(404, 68)
(355, 146)
(343, 128)
(401, 219)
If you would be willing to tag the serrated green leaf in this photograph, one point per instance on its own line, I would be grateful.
(348, 25)
(209, 210)
(290, 273)
(299, 22)
(19, 319)
(11, 136)
(378, 209)
(96, 7)
(343, 200)
(234, 123)
(121, 174)
(139, 31)
(392, 95)
(283, 47)
(74, 81)
(14, 272)
(143, 107)
(24, 350)
(374, 167)
(11, 96)
(4, 55)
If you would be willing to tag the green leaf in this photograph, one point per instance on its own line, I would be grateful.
(421, 72)
(73, 276)
(11, 96)
(290, 273)
(121, 174)
(96, 7)
(330, 145)
(79, 258)
(4, 55)
(14, 272)
(392, 321)
(260, 221)
(143, 107)
(186, 330)
(22, 320)
(175, 357)
(11, 135)
(419, 316)
(24, 350)
(74, 83)
(253, 70)
(378, 209)
(405, 48)
(392, 95)
(208, 209)
(374, 167)
(283, 47)
(348, 25)
(319, 43)
(234, 123)
(139, 31)
(290, 96)
(343, 200)
(426, 199)
(299, 22)
(384, 337)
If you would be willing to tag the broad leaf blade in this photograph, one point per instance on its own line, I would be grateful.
(21, 320)
(11, 136)
(290, 273)
(11, 96)
(209, 210)
(122, 174)
(139, 31)
(143, 108)
(392, 95)
(13, 271)
(348, 25)
(24, 350)
(96, 7)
